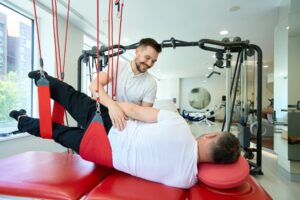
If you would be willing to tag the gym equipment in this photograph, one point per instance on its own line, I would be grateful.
(207, 116)
(227, 47)
(44, 102)
(95, 146)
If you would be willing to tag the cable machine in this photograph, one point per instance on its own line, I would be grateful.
(243, 48)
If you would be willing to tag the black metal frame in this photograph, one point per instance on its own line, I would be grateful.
(225, 46)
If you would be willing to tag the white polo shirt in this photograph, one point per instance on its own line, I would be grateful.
(164, 152)
(133, 88)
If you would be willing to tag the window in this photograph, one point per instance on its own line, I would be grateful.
(16, 37)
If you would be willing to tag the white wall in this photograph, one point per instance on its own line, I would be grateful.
(168, 89)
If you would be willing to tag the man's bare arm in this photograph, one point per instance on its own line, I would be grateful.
(116, 114)
(146, 104)
(141, 113)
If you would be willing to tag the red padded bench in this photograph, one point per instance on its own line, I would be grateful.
(121, 186)
(68, 176)
(49, 175)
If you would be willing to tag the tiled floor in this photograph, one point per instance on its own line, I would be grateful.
(278, 186)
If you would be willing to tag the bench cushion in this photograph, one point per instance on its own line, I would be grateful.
(121, 186)
(49, 175)
(224, 176)
(248, 190)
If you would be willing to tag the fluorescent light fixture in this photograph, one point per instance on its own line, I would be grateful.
(266, 66)
(234, 8)
(224, 32)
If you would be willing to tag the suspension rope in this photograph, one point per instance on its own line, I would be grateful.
(59, 65)
(97, 56)
(108, 44)
(38, 36)
(58, 109)
(111, 72)
(66, 39)
(118, 56)
(54, 36)
(112, 50)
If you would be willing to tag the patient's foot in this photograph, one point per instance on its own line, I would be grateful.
(36, 75)
(17, 114)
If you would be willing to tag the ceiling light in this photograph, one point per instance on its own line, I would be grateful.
(224, 32)
(287, 28)
(234, 8)
(266, 66)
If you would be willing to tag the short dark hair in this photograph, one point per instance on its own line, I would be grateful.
(227, 148)
(150, 42)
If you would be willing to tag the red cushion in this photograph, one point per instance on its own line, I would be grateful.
(248, 190)
(224, 175)
(120, 186)
(95, 145)
(49, 175)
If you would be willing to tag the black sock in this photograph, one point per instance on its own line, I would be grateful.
(36, 75)
(15, 114)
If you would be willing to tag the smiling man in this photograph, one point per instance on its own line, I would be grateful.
(134, 84)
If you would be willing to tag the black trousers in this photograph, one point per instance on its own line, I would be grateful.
(80, 106)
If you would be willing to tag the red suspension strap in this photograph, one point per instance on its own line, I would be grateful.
(95, 145)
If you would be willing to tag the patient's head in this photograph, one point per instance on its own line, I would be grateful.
(221, 147)
(226, 149)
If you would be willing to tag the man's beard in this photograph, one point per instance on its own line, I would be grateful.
(138, 67)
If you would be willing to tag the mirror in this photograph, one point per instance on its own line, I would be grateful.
(199, 98)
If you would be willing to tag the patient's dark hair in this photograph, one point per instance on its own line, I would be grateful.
(150, 42)
(226, 149)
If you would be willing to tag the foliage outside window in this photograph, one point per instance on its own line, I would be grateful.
(15, 63)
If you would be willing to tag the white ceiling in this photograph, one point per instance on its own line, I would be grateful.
(184, 20)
